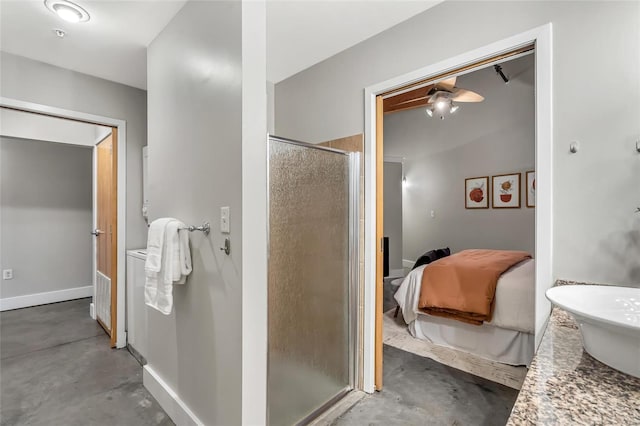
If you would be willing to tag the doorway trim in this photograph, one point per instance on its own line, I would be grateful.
(542, 38)
(121, 125)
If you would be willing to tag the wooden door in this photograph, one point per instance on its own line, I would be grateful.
(379, 237)
(106, 234)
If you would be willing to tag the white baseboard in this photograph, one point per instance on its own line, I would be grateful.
(408, 263)
(44, 298)
(168, 399)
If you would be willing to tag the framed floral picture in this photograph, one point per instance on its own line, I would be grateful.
(476, 193)
(506, 191)
(531, 189)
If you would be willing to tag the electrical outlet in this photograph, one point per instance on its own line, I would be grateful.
(7, 274)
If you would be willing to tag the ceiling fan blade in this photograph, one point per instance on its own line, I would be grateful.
(447, 84)
(464, 95)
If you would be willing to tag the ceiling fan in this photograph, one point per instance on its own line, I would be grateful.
(441, 97)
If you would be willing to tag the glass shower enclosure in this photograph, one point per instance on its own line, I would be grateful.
(313, 267)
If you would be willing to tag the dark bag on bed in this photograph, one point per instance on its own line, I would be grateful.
(440, 253)
(432, 256)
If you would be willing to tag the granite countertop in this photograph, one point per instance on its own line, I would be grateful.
(566, 386)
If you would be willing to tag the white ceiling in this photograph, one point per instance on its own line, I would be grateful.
(304, 32)
(112, 45)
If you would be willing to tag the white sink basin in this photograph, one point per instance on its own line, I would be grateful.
(609, 319)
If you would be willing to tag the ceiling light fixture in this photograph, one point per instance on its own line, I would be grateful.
(67, 10)
(442, 106)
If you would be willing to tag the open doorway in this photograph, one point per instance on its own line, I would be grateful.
(86, 145)
(485, 150)
(374, 112)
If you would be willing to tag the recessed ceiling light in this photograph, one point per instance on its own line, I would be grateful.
(67, 10)
(60, 33)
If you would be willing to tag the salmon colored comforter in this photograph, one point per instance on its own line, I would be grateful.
(463, 286)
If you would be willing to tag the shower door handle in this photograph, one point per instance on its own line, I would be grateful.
(96, 232)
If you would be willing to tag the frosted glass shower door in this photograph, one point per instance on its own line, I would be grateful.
(311, 252)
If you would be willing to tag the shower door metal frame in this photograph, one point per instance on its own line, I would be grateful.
(354, 264)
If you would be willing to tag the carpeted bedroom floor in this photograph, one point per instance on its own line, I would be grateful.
(387, 294)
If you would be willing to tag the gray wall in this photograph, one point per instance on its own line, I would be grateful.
(195, 134)
(32, 81)
(496, 136)
(46, 216)
(596, 233)
(393, 212)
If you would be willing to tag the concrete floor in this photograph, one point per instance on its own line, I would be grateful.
(57, 369)
(420, 391)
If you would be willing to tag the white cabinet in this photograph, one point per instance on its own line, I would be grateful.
(136, 309)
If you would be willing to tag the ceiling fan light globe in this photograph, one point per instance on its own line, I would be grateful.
(453, 108)
(429, 112)
(441, 105)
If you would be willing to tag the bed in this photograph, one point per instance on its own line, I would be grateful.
(507, 338)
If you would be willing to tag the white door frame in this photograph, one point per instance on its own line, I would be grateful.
(121, 125)
(542, 37)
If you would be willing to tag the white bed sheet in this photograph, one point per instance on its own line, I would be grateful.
(514, 304)
(486, 341)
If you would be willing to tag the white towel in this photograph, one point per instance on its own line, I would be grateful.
(185, 257)
(172, 270)
(169, 263)
(155, 244)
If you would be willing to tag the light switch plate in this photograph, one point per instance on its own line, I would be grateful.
(224, 220)
(7, 274)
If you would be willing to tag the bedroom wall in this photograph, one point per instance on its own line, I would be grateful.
(32, 81)
(596, 232)
(194, 168)
(496, 136)
(393, 212)
(46, 216)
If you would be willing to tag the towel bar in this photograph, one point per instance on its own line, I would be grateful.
(205, 228)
